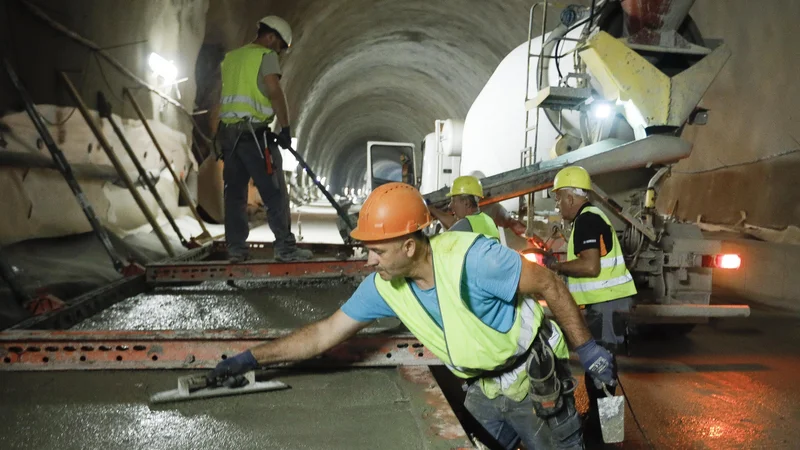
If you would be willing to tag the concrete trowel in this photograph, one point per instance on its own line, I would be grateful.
(198, 386)
(612, 417)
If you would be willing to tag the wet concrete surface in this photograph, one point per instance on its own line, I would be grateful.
(730, 384)
(212, 305)
(357, 409)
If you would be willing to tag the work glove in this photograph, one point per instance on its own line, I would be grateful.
(233, 367)
(598, 363)
(549, 260)
(285, 137)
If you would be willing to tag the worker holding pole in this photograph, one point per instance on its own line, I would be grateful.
(595, 268)
(251, 97)
(468, 300)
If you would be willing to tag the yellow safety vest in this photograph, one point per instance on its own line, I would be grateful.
(483, 224)
(614, 280)
(466, 345)
(241, 97)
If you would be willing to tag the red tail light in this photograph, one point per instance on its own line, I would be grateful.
(730, 261)
(724, 261)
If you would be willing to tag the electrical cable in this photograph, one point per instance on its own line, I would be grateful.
(728, 166)
(633, 414)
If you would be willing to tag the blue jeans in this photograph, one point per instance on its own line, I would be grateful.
(509, 421)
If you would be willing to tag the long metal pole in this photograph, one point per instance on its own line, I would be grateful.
(64, 167)
(181, 186)
(116, 163)
(104, 108)
(342, 214)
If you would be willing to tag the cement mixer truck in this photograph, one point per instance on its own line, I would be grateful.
(609, 88)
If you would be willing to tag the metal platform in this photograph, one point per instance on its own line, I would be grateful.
(43, 344)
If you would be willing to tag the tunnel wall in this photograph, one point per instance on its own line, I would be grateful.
(364, 70)
(39, 202)
(755, 113)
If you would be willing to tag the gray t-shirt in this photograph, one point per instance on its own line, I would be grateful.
(269, 65)
(461, 225)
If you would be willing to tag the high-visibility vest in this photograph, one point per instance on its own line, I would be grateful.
(614, 280)
(483, 224)
(466, 345)
(241, 97)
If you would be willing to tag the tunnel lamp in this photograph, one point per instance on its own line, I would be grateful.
(163, 68)
(601, 110)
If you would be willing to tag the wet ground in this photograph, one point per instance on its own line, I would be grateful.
(730, 384)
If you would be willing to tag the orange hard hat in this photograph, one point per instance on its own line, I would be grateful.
(392, 210)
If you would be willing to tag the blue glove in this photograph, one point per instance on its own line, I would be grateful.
(233, 366)
(285, 137)
(598, 363)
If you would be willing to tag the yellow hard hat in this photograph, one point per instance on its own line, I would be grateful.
(466, 185)
(574, 177)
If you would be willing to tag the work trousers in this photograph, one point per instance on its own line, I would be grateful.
(510, 421)
(244, 159)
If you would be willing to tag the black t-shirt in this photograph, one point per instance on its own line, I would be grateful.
(591, 231)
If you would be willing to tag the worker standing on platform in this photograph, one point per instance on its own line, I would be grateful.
(467, 299)
(595, 268)
(467, 216)
(251, 98)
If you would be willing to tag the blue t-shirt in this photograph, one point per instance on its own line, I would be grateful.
(489, 283)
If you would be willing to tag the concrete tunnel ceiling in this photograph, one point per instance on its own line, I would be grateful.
(364, 70)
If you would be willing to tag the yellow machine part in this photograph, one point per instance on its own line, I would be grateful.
(650, 97)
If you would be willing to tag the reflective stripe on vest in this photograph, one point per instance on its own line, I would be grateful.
(614, 280)
(466, 344)
(251, 102)
(241, 98)
(483, 224)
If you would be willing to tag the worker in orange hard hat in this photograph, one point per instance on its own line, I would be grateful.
(468, 300)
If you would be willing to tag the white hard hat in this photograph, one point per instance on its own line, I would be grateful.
(279, 25)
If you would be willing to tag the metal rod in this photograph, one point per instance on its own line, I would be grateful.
(161, 273)
(191, 349)
(599, 195)
(29, 160)
(66, 170)
(104, 108)
(691, 311)
(342, 214)
(178, 181)
(116, 163)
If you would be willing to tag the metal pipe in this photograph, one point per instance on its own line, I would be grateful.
(104, 108)
(342, 213)
(116, 163)
(178, 181)
(26, 160)
(705, 311)
(64, 167)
